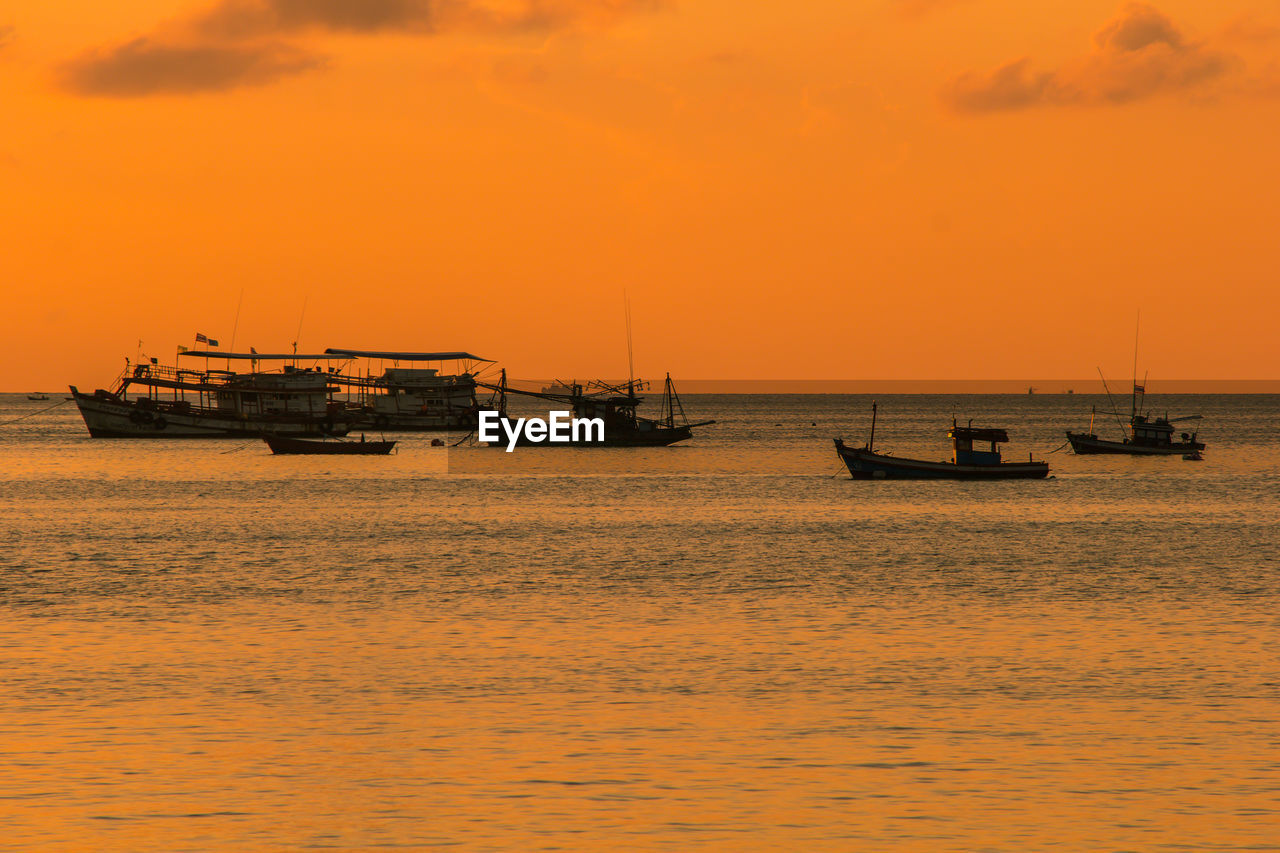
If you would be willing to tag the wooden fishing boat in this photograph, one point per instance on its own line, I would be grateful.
(151, 400)
(419, 398)
(281, 445)
(1144, 435)
(966, 463)
(37, 396)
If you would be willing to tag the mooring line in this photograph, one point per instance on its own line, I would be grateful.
(33, 414)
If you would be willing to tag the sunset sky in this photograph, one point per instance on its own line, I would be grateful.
(828, 189)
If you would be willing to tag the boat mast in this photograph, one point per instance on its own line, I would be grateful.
(672, 402)
(871, 443)
(631, 363)
(1133, 408)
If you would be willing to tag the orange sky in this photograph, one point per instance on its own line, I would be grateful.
(833, 189)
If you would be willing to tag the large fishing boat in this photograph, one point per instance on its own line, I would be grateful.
(966, 463)
(150, 400)
(410, 399)
(615, 405)
(1144, 435)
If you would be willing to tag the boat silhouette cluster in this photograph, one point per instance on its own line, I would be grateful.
(307, 403)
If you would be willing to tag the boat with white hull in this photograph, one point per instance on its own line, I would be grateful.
(410, 399)
(157, 401)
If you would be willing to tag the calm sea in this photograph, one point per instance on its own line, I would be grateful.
(725, 645)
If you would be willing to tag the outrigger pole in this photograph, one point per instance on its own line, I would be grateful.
(1110, 402)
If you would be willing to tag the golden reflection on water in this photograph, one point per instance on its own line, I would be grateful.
(539, 722)
(203, 647)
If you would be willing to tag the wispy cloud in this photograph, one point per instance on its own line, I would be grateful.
(241, 18)
(238, 43)
(1138, 54)
(147, 67)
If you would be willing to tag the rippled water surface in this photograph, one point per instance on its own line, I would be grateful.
(725, 645)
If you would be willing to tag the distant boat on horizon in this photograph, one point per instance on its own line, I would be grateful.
(37, 396)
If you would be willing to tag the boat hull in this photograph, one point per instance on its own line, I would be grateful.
(1090, 445)
(282, 445)
(450, 420)
(866, 465)
(108, 416)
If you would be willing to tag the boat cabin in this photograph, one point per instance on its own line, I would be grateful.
(617, 411)
(963, 438)
(410, 391)
(293, 391)
(1153, 433)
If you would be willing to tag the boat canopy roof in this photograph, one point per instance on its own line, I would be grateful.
(264, 356)
(402, 356)
(977, 434)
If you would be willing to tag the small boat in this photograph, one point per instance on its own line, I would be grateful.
(966, 463)
(281, 444)
(37, 396)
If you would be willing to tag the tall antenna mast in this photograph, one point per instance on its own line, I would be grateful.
(631, 365)
(236, 325)
(1134, 406)
(298, 334)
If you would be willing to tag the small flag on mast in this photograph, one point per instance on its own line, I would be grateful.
(212, 342)
(201, 339)
(181, 349)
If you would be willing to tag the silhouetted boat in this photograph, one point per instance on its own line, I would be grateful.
(150, 400)
(411, 399)
(615, 406)
(1147, 436)
(37, 396)
(287, 445)
(966, 463)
